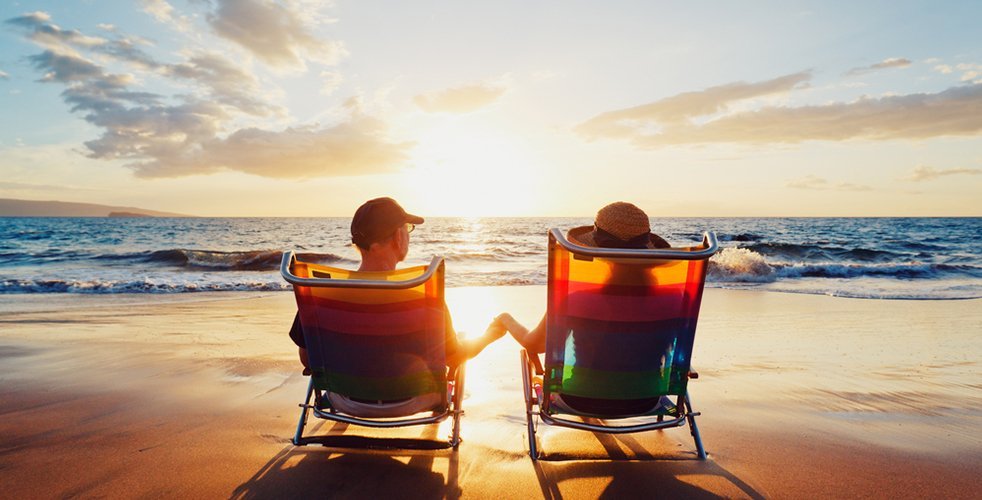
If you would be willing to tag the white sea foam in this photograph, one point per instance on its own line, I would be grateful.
(741, 265)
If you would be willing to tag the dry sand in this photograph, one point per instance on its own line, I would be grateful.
(195, 396)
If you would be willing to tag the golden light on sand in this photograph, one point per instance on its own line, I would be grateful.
(465, 170)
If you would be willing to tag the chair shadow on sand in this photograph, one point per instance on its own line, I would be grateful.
(638, 471)
(314, 472)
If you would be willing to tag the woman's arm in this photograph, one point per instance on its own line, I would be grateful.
(534, 340)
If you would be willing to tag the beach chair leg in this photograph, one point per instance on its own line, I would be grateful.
(458, 398)
(690, 415)
(528, 390)
(298, 437)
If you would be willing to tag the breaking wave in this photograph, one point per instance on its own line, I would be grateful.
(742, 265)
(134, 286)
(255, 260)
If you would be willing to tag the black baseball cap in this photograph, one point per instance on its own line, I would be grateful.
(377, 219)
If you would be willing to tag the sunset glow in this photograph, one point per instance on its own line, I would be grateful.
(248, 107)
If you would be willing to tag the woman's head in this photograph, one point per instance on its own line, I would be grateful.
(618, 225)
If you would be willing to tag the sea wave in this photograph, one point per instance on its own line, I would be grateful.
(823, 252)
(134, 286)
(254, 260)
(918, 258)
(743, 265)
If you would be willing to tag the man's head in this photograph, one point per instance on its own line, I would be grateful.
(381, 225)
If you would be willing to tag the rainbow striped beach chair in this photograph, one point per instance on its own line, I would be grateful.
(620, 324)
(376, 348)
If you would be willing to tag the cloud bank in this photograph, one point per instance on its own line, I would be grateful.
(192, 131)
(672, 121)
(463, 99)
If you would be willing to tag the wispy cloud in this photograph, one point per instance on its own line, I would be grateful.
(893, 62)
(163, 12)
(192, 131)
(956, 111)
(275, 33)
(970, 72)
(630, 122)
(44, 33)
(821, 184)
(926, 173)
(463, 99)
(4, 75)
(330, 81)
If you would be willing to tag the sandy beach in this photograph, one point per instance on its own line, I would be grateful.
(195, 396)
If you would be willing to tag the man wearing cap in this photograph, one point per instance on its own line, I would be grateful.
(380, 230)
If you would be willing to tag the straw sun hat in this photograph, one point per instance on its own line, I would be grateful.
(618, 225)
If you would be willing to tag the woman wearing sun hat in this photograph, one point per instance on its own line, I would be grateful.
(618, 225)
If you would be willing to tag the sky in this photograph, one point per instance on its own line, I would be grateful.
(529, 108)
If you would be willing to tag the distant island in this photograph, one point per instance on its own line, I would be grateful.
(34, 208)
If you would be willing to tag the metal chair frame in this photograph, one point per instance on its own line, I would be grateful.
(530, 362)
(454, 399)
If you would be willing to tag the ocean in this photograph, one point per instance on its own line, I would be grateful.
(887, 258)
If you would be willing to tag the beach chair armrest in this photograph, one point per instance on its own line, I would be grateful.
(537, 364)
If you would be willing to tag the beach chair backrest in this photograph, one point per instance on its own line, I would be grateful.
(373, 335)
(620, 324)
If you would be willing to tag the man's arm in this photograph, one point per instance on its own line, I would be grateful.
(460, 350)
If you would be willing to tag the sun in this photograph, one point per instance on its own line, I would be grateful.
(463, 169)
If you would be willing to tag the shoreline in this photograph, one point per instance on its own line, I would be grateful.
(150, 298)
(871, 398)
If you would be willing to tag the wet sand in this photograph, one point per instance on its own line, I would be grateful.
(195, 396)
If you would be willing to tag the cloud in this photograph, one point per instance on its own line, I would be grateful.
(273, 32)
(894, 62)
(224, 82)
(193, 132)
(49, 35)
(956, 111)
(970, 72)
(820, 184)
(65, 68)
(462, 99)
(69, 42)
(4, 75)
(159, 9)
(679, 108)
(163, 11)
(356, 147)
(330, 81)
(925, 173)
